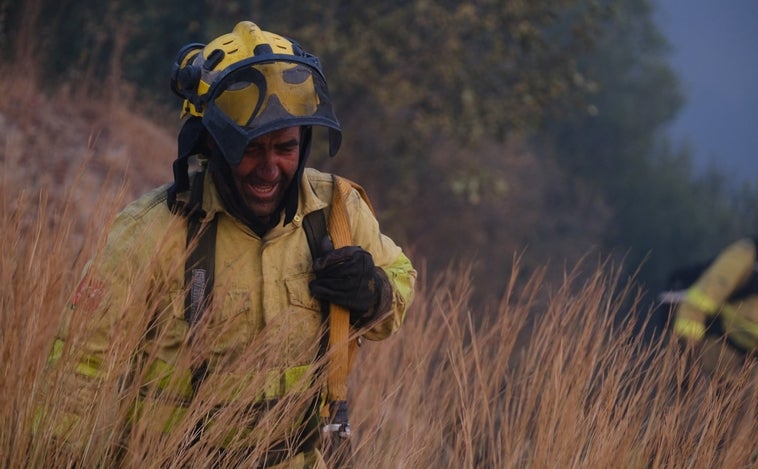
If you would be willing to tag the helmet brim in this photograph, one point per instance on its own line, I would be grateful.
(255, 97)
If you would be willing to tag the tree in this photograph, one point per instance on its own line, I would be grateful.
(664, 214)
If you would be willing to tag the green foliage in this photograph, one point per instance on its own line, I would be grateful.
(92, 44)
(464, 69)
(467, 70)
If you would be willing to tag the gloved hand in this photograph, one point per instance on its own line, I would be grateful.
(347, 277)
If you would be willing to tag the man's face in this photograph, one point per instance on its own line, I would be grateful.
(267, 169)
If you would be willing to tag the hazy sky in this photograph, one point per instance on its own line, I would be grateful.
(715, 54)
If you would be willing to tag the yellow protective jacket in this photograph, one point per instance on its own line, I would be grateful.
(709, 296)
(261, 302)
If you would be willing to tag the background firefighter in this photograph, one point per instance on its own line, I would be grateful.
(716, 307)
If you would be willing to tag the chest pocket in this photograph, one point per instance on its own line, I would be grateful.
(229, 324)
(299, 294)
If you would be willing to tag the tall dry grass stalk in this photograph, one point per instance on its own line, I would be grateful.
(552, 379)
(582, 390)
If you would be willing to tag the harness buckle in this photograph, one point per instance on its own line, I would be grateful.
(340, 429)
(338, 424)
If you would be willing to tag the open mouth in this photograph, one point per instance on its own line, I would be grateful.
(262, 191)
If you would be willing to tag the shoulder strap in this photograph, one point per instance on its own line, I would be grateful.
(199, 267)
(314, 225)
(200, 263)
(315, 222)
(361, 191)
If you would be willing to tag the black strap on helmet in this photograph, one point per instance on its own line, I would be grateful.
(185, 76)
(191, 141)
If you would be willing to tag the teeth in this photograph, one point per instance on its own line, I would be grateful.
(262, 189)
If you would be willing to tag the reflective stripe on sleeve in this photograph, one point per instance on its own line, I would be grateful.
(701, 301)
(688, 328)
(402, 276)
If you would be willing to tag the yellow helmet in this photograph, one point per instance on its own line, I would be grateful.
(250, 82)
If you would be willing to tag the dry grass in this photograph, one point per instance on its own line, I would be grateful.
(583, 391)
(552, 380)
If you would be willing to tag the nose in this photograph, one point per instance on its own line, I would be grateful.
(267, 168)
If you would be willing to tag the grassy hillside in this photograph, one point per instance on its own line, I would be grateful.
(73, 147)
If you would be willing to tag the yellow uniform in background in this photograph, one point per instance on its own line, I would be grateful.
(709, 299)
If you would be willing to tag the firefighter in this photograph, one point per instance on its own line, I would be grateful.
(230, 260)
(718, 313)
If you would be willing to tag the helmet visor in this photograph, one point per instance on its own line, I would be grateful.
(253, 98)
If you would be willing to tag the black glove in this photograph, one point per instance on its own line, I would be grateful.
(347, 277)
